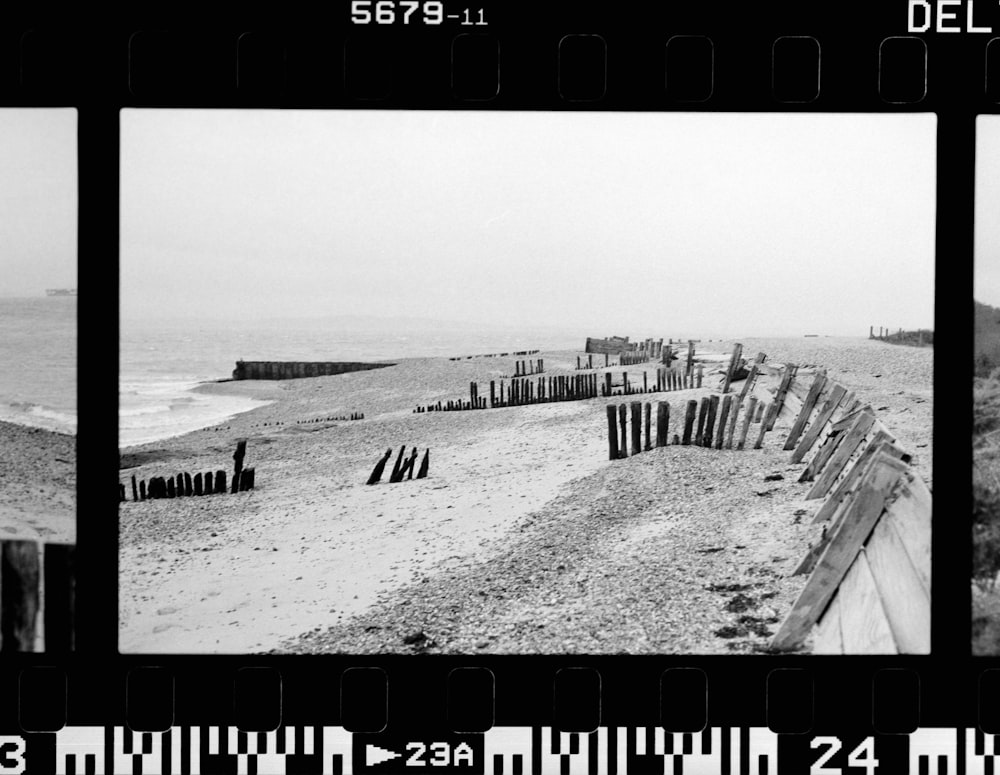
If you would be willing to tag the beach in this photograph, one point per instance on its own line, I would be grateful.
(524, 537)
(37, 484)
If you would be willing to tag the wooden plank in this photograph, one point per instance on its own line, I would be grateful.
(864, 625)
(612, 432)
(752, 376)
(636, 428)
(807, 406)
(826, 635)
(854, 476)
(845, 404)
(747, 419)
(19, 595)
(847, 420)
(763, 428)
(726, 403)
(906, 601)
(732, 424)
(838, 460)
(910, 515)
(819, 423)
(843, 548)
(733, 363)
(826, 449)
(692, 408)
(779, 397)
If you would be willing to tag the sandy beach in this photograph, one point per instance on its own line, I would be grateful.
(37, 484)
(524, 538)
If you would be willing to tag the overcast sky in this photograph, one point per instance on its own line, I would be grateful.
(719, 224)
(38, 200)
(987, 250)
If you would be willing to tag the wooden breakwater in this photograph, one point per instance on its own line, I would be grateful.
(299, 369)
(698, 425)
(918, 338)
(185, 485)
(493, 355)
(403, 469)
(615, 345)
(37, 581)
(565, 387)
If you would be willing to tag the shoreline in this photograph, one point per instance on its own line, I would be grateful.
(312, 557)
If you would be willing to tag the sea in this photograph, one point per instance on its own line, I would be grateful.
(162, 361)
(38, 353)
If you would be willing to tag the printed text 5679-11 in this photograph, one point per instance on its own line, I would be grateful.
(412, 12)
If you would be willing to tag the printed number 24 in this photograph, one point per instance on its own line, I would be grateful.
(863, 756)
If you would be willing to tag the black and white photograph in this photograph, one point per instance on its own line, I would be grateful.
(986, 394)
(38, 381)
(501, 382)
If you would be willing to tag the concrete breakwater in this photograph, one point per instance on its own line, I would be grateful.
(298, 369)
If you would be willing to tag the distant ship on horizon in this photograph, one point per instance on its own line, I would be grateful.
(60, 291)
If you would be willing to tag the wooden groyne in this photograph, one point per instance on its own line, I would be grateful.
(299, 369)
(404, 467)
(37, 581)
(184, 484)
(918, 338)
(615, 345)
(493, 355)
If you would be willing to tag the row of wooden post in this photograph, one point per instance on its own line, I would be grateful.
(525, 368)
(351, 416)
(493, 355)
(627, 358)
(884, 335)
(403, 469)
(31, 572)
(184, 485)
(590, 362)
(699, 427)
(666, 380)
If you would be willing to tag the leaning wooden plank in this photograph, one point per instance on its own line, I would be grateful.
(906, 601)
(826, 635)
(807, 406)
(910, 514)
(840, 553)
(817, 426)
(826, 449)
(779, 397)
(752, 377)
(838, 461)
(864, 625)
(734, 362)
(845, 404)
(845, 422)
(858, 470)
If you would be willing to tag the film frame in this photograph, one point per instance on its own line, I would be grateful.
(92, 66)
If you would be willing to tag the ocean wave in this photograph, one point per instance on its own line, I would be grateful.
(39, 416)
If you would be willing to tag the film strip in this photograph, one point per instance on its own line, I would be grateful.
(89, 708)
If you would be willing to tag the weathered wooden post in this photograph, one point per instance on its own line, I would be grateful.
(246, 479)
(702, 417)
(376, 473)
(763, 429)
(209, 489)
(171, 493)
(197, 484)
(713, 408)
(19, 599)
(590, 361)
(662, 420)
(723, 417)
(578, 363)
(668, 353)
(59, 616)
(493, 393)
(734, 363)
(871, 332)
(645, 383)
(424, 464)
(188, 490)
(180, 485)
(220, 482)
(121, 493)
(395, 477)
(779, 399)
(731, 430)
(612, 433)
(607, 383)
(622, 421)
(700, 367)
(411, 463)
(625, 388)
(135, 490)
(647, 414)
(605, 360)
(636, 415)
(690, 360)
(238, 455)
(142, 490)
(747, 419)
(692, 408)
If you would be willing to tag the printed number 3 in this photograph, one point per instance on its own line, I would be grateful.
(12, 762)
(863, 756)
